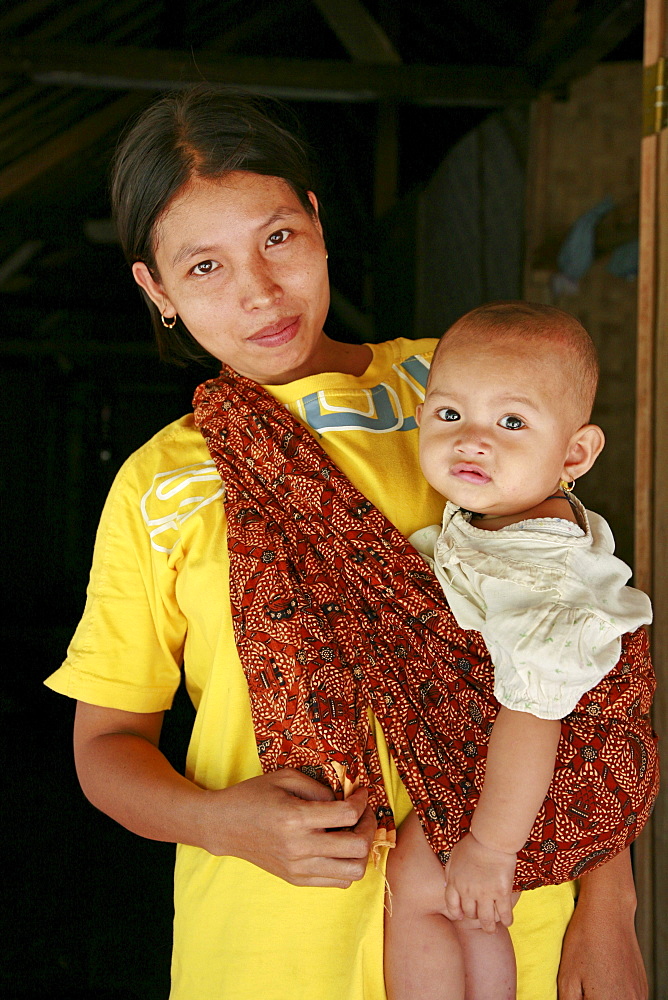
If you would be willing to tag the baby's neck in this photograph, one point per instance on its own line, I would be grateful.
(557, 505)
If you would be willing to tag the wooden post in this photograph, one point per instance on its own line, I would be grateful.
(386, 167)
(536, 288)
(387, 159)
(651, 491)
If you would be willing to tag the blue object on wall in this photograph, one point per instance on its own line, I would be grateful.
(577, 251)
(624, 260)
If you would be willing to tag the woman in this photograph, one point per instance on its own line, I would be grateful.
(217, 217)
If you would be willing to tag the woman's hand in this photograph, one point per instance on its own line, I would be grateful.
(291, 825)
(284, 822)
(479, 884)
(601, 959)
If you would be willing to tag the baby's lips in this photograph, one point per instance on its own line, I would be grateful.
(470, 473)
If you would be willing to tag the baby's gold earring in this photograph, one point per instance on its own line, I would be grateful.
(566, 486)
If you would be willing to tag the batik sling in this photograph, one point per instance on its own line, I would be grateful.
(336, 615)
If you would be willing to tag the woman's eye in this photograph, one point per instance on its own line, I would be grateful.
(511, 423)
(278, 237)
(205, 267)
(447, 414)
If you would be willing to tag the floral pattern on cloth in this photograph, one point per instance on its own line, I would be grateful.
(335, 614)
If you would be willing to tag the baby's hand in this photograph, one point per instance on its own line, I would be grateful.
(479, 884)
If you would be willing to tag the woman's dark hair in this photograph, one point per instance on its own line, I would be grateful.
(198, 132)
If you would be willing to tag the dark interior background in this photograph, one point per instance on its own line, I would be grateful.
(382, 92)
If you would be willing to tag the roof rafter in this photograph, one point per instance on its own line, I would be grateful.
(129, 68)
(555, 21)
(490, 20)
(595, 33)
(359, 33)
(261, 22)
(31, 166)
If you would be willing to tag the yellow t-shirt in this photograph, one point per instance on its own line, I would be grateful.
(158, 598)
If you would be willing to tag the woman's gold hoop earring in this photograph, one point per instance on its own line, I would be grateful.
(167, 325)
(566, 486)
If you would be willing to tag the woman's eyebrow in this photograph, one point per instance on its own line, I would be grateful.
(278, 215)
(194, 250)
(190, 250)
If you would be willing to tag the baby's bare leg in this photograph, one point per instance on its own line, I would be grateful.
(427, 955)
(423, 956)
(489, 962)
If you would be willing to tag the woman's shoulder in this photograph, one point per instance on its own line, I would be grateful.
(179, 445)
(172, 463)
(403, 349)
(397, 362)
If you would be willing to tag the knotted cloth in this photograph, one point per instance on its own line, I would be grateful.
(336, 615)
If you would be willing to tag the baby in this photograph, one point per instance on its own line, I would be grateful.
(504, 434)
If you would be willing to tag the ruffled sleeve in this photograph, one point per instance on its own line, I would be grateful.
(551, 608)
(545, 658)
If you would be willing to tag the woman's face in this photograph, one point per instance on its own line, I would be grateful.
(244, 266)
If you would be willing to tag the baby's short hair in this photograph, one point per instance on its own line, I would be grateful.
(535, 324)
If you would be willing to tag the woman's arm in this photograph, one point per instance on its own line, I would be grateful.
(284, 822)
(482, 866)
(601, 957)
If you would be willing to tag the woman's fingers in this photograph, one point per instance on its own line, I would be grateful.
(301, 785)
(291, 826)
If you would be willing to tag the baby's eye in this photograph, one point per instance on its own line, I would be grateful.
(205, 267)
(280, 236)
(511, 422)
(446, 413)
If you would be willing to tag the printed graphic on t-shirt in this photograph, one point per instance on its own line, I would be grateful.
(176, 495)
(381, 411)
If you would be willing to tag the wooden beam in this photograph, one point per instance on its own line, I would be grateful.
(129, 68)
(359, 33)
(31, 166)
(598, 30)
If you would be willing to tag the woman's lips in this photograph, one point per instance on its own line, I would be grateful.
(277, 333)
(470, 474)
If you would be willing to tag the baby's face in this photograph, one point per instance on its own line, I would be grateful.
(495, 426)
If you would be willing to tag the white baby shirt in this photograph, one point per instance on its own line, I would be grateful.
(549, 599)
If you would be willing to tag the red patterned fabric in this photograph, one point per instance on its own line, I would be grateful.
(335, 614)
